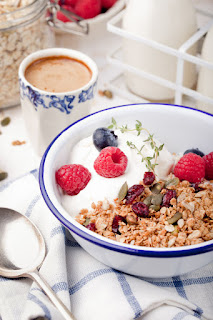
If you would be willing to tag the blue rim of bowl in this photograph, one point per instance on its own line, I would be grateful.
(138, 251)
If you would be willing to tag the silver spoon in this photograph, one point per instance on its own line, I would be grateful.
(22, 251)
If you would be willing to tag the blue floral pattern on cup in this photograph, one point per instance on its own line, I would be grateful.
(64, 105)
(34, 97)
(86, 94)
(52, 101)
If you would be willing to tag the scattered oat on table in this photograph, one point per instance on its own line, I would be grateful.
(18, 143)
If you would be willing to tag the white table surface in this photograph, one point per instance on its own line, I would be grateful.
(17, 160)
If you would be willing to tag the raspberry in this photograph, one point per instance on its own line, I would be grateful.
(88, 9)
(111, 162)
(209, 166)
(61, 16)
(71, 3)
(190, 167)
(108, 3)
(72, 178)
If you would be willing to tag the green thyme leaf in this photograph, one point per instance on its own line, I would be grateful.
(114, 122)
(161, 147)
(150, 139)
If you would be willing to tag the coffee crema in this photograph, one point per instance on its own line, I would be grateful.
(58, 74)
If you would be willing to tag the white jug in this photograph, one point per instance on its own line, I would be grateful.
(205, 77)
(170, 22)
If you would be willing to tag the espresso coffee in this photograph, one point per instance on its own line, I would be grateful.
(58, 74)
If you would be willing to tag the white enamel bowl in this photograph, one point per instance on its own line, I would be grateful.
(180, 128)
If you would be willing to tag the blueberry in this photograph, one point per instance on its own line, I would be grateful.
(103, 137)
(196, 151)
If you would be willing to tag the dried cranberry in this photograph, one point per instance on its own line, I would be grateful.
(134, 192)
(148, 178)
(141, 209)
(167, 198)
(115, 223)
(196, 186)
(91, 226)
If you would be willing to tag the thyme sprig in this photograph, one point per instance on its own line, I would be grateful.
(139, 128)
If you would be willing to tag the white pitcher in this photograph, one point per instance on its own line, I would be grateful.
(170, 22)
(205, 77)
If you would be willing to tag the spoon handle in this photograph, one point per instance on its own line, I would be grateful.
(51, 294)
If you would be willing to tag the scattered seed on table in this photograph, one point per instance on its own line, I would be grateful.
(3, 175)
(106, 93)
(5, 121)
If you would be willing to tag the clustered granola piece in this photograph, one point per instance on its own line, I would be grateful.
(187, 220)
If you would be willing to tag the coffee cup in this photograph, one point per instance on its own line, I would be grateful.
(46, 108)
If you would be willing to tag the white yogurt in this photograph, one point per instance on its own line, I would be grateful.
(100, 188)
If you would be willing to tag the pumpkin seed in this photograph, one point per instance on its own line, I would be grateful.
(3, 175)
(157, 199)
(155, 207)
(108, 94)
(123, 191)
(148, 200)
(156, 188)
(172, 182)
(5, 121)
(86, 222)
(175, 232)
(175, 218)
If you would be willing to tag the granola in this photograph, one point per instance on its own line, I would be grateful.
(187, 220)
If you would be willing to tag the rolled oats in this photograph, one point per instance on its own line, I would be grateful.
(171, 242)
(170, 228)
(17, 40)
(105, 205)
(180, 223)
(195, 234)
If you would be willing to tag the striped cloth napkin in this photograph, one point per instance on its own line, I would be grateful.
(91, 290)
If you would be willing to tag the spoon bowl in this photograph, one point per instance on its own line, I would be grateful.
(16, 254)
(22, 251)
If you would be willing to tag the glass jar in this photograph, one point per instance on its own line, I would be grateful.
(22, 32)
